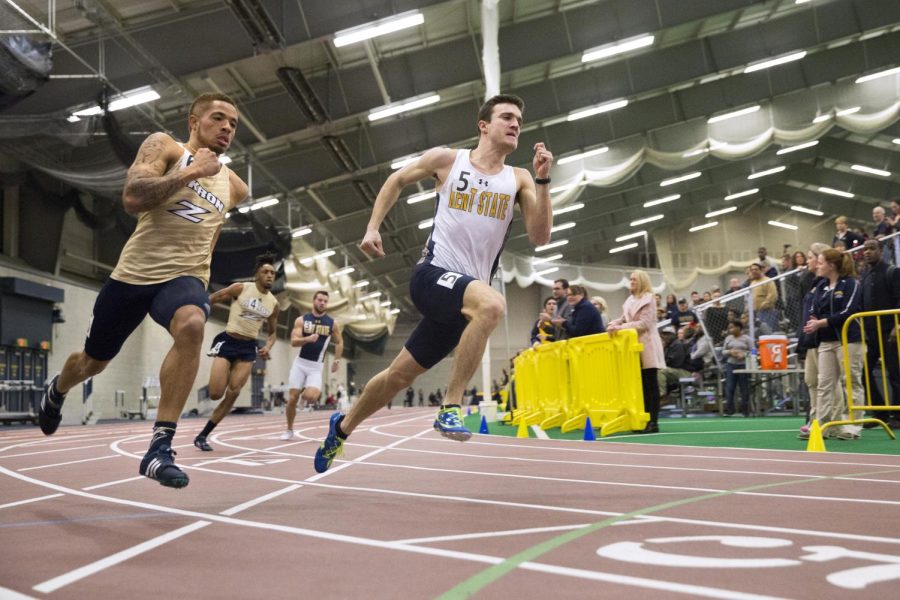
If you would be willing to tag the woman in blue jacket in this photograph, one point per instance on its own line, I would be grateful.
(836, 297)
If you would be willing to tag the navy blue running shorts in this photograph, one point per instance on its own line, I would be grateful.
(438, 294)
(120, 308)
(233, 348)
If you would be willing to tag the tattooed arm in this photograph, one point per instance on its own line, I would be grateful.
(147, 184)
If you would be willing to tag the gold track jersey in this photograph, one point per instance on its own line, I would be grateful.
(175, 238)
(249, 310)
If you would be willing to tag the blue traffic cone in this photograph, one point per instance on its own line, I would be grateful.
(589, 431)
(484, 427)
(468, 410)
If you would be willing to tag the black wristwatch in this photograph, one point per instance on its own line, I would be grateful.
(542, 180)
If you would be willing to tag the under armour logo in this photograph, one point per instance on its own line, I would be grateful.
(483, 182)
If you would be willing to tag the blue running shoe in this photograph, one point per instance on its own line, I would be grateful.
(159, 465)
(449, 423)
(49, 413)
(332, 447)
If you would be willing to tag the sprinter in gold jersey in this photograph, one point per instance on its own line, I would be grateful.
(180, 193)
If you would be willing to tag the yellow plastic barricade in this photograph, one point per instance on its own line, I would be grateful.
(526, 385)
(605, 383)
(885, 322)
(552, 385)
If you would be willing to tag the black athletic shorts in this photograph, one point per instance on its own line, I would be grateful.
(232, 348)
(120, 308)
(438, 294)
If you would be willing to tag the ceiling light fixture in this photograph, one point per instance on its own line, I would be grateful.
(679, 179)
(626, 45)
(696, 152)
(555, 244)
(399, 163)
(774, 62)
(834, 192)
(371, 296)
(562, 226)
(323, 254)
(344, 271)
(127, 99)
(848, 111)
(596, 110)
(426, 223)
(301, 231)
(420, 197)
(721, 211)
(871, 170)
(809, 211)
(386, 303)
(629, 236)
(737, 195)
(783, 225)
(264, 202)
(878, 75)
(562, 188)
(579, 156)
(404, 106)
(646, 220)
(361, 283)
(789, 149)
(394, 311)
(735, 113)
(569, 208)
(623, 248)
(662, 200)
(546, 271)
(704, 226)
(377, 28)
(771, 171)
(896, 140)
(821, 118)
(539, 261)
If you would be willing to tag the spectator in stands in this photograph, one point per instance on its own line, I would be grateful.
(843, 234)
(791, 287)
(716, 319)
(701, 352)
(882, 226)
(563, 308)
(807, 342)
(683, 316)
(767, 264)
(764, 295)
(894, 217)
(599, 303)
(543, 329)
(671, 307)
(677, 360)
(638, 314)
(735, 303)
(695, 298)
(585, 318)
(410, 396)
(880, 285)
(658, 299)
(836, 297)
(735, 349)
(421, 397)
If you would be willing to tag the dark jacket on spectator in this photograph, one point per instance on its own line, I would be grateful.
(880, 291)
(584, 320)
(836, 305)
(851, 240)
(677, 356)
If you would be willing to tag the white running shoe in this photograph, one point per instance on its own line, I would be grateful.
(287, 434)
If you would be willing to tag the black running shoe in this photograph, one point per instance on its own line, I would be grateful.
(159, 465)
(200, 442)
(49, 413)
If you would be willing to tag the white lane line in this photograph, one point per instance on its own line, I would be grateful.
(8, 594)
(71, 462)
(642, 582)
(110, 483)
(51, 451)
(251, 503)
(490, 534)
(540, 433)
(29, 501)
(51, 585)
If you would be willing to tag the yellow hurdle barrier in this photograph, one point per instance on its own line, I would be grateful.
(893, 325)
(605, 380)
(526, 386)
(552, 384)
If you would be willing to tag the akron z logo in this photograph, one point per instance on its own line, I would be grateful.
(449, 279)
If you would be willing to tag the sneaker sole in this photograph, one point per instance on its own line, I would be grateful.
(172, 483)
(458, 436)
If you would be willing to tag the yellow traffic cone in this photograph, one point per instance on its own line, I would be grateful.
(522, 431)
(815, 443)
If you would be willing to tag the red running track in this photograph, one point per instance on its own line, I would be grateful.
(408, 514)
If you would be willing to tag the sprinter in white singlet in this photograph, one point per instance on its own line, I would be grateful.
(450, 285)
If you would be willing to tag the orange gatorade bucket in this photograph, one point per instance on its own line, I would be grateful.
(773, 352)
